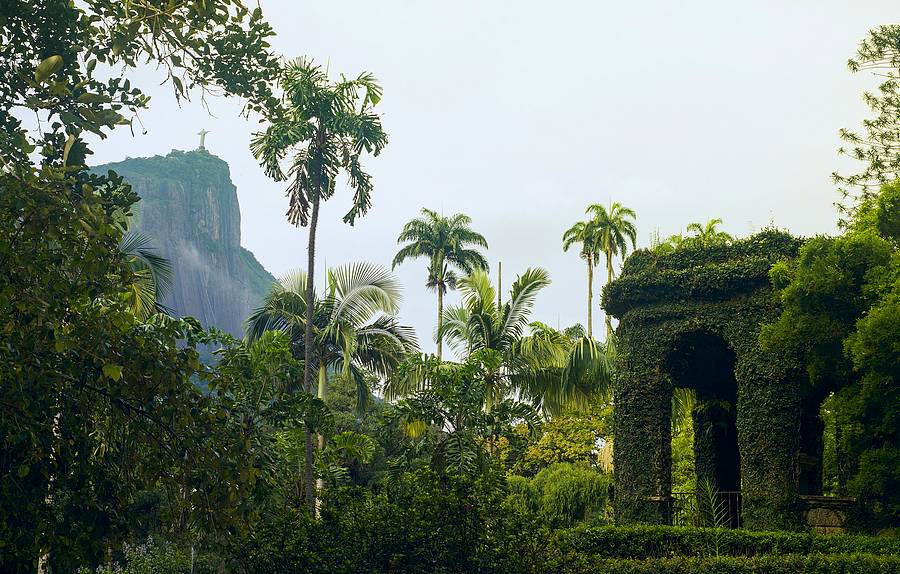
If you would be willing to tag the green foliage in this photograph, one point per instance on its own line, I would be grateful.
(786, 564)
(148, 558)
(697, 272)
(327, 126)
(448, 421)
(527, 359)
(450, 245)
(355, 330)
(684, 474)
(565, 494)
(420, 523)
(51, 49)
(97, 405)
(841, 301)
(641, 542)
(879, 147)
(579, 437)
(720, 292)
(446, 242)
(425, 524)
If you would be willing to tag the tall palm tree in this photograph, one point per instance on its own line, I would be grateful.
(153, 274)
(353, 325)
(518, 357)
(614, 228)
(448, 244)
(328, 125)
(584, 232)
(708, 234)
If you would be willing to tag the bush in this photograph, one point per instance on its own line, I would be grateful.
(640, 542)
(425, 523)
(565, 494)
(147, 558)
(770, 564)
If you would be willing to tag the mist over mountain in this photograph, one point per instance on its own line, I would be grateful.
(189, 206)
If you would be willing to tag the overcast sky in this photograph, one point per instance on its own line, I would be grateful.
(521, 113)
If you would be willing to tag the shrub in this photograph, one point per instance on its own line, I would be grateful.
(640, 542)
(770, 564)
(147, 558)
(565, 494)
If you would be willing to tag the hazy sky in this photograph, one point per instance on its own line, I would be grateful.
(521, 113)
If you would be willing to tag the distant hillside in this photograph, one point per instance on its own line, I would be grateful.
(189, 206)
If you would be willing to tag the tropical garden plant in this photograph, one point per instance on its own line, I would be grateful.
(327, 125)
(585, 233)
(708, 234)
(354, 330)
(153, 274)
(613, 230)
(519, 357)
(450, 245)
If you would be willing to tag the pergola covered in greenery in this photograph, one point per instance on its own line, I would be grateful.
(691, 319)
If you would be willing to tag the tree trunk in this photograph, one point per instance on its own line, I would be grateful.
(308, 341)
(323, 383)
(499, 284)
(590, 317)
(609, 278)
(440, 323)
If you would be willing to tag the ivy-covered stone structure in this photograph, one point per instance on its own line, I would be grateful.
(691, 318)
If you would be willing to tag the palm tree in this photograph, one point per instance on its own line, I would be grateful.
(461, 434)
(447, 243)
(614, 228)
(519, 358)
(152, 272)
(353, 325)
(584, 232)
(328, 125)
(708, 234)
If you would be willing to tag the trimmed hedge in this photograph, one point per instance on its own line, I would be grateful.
(771, 564)
(640, 542)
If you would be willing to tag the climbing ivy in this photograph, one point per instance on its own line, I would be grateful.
(722, 291)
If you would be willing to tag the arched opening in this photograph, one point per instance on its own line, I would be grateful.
(702, 364)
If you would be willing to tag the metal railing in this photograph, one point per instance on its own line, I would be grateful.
(697, 509)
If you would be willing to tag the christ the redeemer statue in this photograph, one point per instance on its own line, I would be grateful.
(202, 134)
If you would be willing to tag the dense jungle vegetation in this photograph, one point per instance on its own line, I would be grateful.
(325, 440)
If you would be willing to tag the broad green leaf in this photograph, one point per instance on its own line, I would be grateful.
(414, 429)
(47, 68)
(69, 142)
(113, 371)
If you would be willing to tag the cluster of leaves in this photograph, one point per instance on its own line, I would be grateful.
(551, 369)
(99, 408)
(697, 271)
(582, 437)
(565, 494)
(328, 125)
(841, 299)
(879, 146)
(644, 541)
(703, 235)
(448, 422)
(63, 61)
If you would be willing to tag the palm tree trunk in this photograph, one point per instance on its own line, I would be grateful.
(440, 322)
(609, 278)
(590, 317)
(308, 341)
(323, 383)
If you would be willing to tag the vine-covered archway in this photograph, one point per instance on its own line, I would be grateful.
(691, 319)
